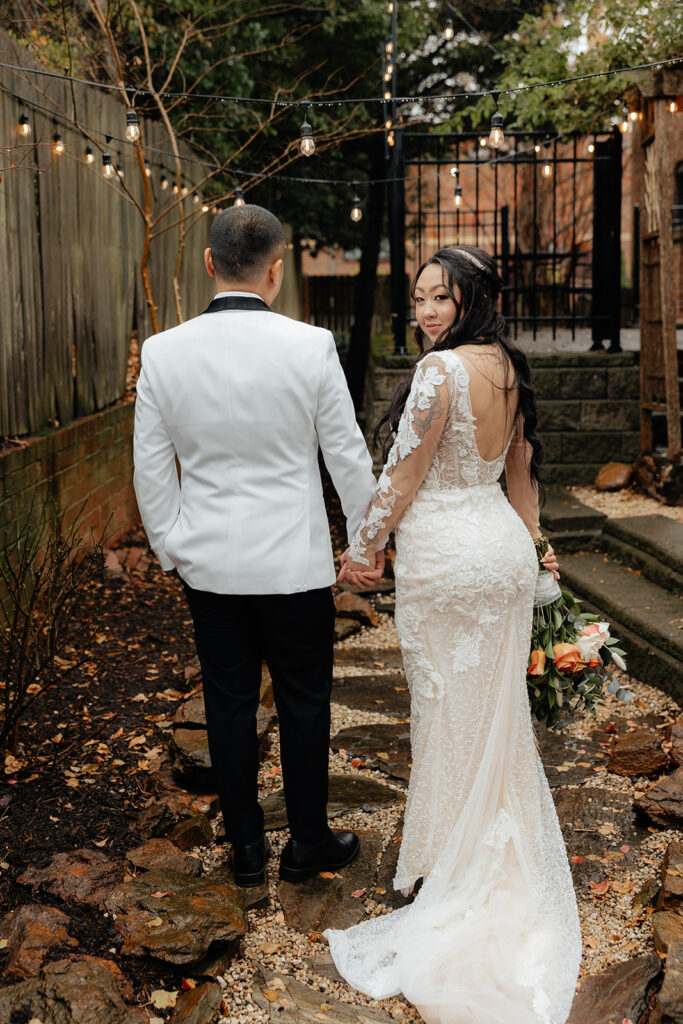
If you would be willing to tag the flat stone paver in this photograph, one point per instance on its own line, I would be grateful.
(387, 694)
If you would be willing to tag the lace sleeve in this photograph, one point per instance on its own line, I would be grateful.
(522, 493)
(411, 455)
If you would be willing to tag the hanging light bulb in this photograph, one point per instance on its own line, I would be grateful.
(390, 7)
(119, 170)
(107, 165)
(88, 156)
(624, 126)
(390, 138)
(356, 210)
(58, 147)
(547, 166)
(387, 95)
(591, 147)
(205, 207)
(496, 135)
(483, 142)
(164, 182)
(388, 72)
(24, 125)
(448, 30)
(389, 46)
(387, 123)
(176, 190)
(132, 126)
(457, 194)
(239, 197)
(537, 148)
(633, 116)
(672, 106)
(307, 145)
(148, 169)
(196, 198)
(455, 171)
(184, 190)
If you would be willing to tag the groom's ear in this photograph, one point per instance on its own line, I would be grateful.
(208, 263)
(276, 271)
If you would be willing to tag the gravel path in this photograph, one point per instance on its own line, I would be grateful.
(618, 504)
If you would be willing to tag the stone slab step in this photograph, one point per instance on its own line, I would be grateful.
(652, 543)
(568, 521)
(647, 618)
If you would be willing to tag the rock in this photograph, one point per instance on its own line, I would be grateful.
(567, 761)
(373, 657)
(646, 895)
(662, 804)
(617, 993)
(70, 992)
(30, 932)
(385, 747)
(190, 832)
(670, 998)
(191, 759)
(180, 925)
(637, 753)
(344, 628)
(595, 824)
(387, 694)
(346, 793)
(324, 966)
(84, 876)
(614, 476)
(677, 742)
(291, 1002)
(671, 893)
(176, 804)
(163, 854)
(197, 1005)
(320, 903)
(189, 744)
(255, 897)
(657, 476)
(386, 603)
(667, 926)
(353, 606)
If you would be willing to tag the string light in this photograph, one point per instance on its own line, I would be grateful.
(633, 115)
(390, 7)
(107, 166)
(388, 71)
(672, 106)
(239, 197)
(387, 94)
(58, 147)
(496, 135)
(164, 182)
(389, 46)
(119, 169)
(457, 195)
(356, 210)
(455, 171)
(176, 190)
(625, 126)
(205, 207)
(448, 30)
(547, 166)
(537, 148)
(88, 156)
(591, 147)
(482, 142)
(307, 145)
(196, 198)
(148, 169)
(24, 124)
(391, 139)
(132, 126)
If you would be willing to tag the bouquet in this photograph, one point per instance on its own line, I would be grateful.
(570, 652)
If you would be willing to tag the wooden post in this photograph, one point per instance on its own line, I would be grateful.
(665, 198)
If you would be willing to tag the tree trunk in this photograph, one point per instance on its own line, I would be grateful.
(361, 332)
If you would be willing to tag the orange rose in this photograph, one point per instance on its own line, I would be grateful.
(567, 658)
(537, 666)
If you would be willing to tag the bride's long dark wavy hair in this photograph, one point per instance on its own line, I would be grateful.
(477, 322)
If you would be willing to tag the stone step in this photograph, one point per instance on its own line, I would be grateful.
(569, 523)
(647, 618)
(653, 544)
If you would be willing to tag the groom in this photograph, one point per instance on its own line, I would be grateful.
(244, 398)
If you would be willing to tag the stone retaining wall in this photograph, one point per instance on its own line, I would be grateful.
(89, 460)
(587, 407)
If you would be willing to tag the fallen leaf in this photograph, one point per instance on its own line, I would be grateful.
(156, 921)
(329, 874)
(137, 740)
(100, 842)
(599, 888)
(139, 697)
(158, 894)
(3, 943)
(161, 999)
(358, 893)
(383, 755)
(270, 995)
(188, 983)
(607, 828)
(578, 860)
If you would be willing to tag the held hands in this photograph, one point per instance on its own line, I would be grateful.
(362, 576)
(549, 560)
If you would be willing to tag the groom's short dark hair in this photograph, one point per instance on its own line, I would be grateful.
(243, 239)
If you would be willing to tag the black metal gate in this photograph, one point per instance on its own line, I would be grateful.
(549, 210)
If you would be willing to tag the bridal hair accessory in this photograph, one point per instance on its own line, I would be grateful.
(570, 651)
(470, 257)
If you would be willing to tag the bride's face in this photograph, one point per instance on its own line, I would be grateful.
(434, 308)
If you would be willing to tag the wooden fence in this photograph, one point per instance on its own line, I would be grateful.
(71, 292)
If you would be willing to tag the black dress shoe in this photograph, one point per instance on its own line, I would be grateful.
(299, 861)
(249, 862)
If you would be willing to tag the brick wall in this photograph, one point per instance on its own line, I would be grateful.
(90, 460)
(588, 408)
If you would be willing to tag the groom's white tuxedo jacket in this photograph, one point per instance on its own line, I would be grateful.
(244, 398)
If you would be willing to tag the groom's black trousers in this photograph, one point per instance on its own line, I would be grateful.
(294, 634)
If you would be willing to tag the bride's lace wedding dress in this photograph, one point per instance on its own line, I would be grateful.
(493, 935)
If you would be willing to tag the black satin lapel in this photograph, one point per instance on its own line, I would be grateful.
(236, 302)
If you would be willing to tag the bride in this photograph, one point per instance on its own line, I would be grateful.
(492, 936)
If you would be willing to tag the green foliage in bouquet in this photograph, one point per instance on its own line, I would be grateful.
(570, 652)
